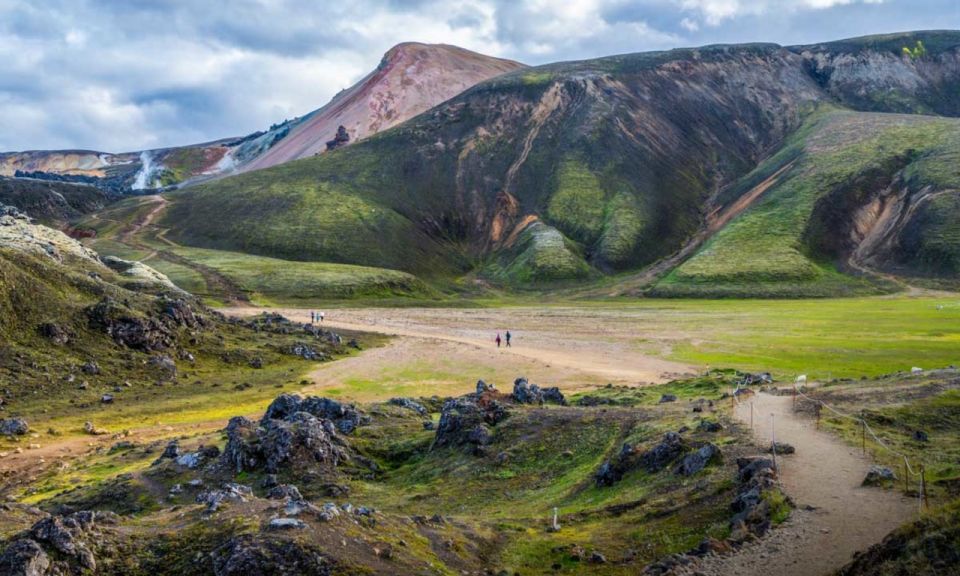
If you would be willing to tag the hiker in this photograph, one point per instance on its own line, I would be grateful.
(498, 340)
(312, 317)
(508, 338)
(322, 314)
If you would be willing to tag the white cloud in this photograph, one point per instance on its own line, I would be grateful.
(714, 12)
(119, 75)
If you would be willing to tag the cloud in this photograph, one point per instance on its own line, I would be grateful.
(133, 74)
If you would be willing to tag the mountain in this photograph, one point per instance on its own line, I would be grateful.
(53, 202)
(410, 79)
(769, 170)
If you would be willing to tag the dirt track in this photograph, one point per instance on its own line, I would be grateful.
(603, 350)
(825, 475)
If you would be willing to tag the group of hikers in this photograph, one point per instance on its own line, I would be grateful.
(506, 339)
(317, 317)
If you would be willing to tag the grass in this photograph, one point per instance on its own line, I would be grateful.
(896, 407)
(272, 281)
(786, 243)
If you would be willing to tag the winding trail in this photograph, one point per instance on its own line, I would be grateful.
(835, 515)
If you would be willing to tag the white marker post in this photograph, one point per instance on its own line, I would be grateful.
(773, 443)
(556, 526)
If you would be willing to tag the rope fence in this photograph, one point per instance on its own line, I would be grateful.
(920, 473)
(909, 471)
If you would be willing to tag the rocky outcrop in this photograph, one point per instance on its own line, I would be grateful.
(13, 427)
(467, 421)
(293, 432)
(19, 233)
(255, 555)
(698, 460)
(139, 273)
(345, 417)
(408, 404)
(879, 476)
(24, 558)
(58, 545)
(129, 328)
(657, 458)
(526, 393)
(342, 138)
(753, 513)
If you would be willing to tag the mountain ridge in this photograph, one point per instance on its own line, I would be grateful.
(621, 155)
(435, 72)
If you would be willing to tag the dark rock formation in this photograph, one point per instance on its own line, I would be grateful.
(341, 139)
(526, 393)
(781, 448)
(13, 427)
(55, 333)
(346, 417)
(292, 432)
(69, 539)
(879, 476)
(255, 555)
(128, 328)
(697, 461)
(24, 557)
(708, 426)
(464, 421)
(409, 404)
(664, 453)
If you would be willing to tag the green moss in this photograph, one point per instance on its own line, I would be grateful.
(541, 254)
(577, 207)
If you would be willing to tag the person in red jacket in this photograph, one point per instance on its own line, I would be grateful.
(498, 340)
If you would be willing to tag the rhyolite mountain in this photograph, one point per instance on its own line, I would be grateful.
(751, 169)
(410, 79)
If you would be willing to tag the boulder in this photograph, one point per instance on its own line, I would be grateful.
(344, 416)
(920, 436)
(55, 333)
(241, 454)
(483, 387)
(229, 492)
(664, 453)
(781, 448)
(164, 364)
(72, 535)
(462, 419)
(284, 491)
(667, 398)
(13, 427)
(128, 328)
(526, 393)
(708, 426)
(90, 368)
(879, 476)
(698, 460)
(256, 555)
(286, 524)
(408, 404)
(24, 557)
(298, 439)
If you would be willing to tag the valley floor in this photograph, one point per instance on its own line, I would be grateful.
(639, 342)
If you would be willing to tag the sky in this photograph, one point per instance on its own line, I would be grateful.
(127, 75)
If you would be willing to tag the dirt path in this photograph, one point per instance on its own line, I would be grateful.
(217, 284)
(597, 351)
(824, 474)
